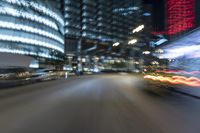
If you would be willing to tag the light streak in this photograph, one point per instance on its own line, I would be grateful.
(139, 28)
(178, 72)
(116, 44)
(133, 41)
(31, 29)
(178, 80)
(179, 51)
(39, 7)
(35, 42)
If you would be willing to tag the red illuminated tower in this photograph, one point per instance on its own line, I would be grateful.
(177, 17)
(180, 16)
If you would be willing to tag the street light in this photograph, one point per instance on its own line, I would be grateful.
(116, 44)
(139, 28)
(133, 41)
(146, 52)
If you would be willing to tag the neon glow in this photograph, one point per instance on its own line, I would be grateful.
(177, 80)
(181, 16)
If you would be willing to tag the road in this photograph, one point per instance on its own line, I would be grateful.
(118, 103)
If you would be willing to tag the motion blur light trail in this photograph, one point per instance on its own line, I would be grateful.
(179, 72)
(191, 81)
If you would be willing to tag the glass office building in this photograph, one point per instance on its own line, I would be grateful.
(100, 21)
(31, 27)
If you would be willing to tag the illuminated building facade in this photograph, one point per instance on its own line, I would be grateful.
(175, 17)
(99, 21)
(180, 16)
(32, 28)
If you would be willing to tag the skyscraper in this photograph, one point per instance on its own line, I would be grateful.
(31, 28)
(174, 17)
(99, 22)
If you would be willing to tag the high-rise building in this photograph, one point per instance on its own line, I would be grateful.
(31, 28)
(99, 22)
(175, 17)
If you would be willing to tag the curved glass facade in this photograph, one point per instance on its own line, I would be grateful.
(31, 27)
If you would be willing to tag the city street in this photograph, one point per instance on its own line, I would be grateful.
(99, 66)
(109, 103)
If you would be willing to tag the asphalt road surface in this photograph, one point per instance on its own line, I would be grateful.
(117, 103)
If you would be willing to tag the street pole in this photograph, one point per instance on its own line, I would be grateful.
(79, 58)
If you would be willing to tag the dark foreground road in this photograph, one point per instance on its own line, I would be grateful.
(97, 104)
